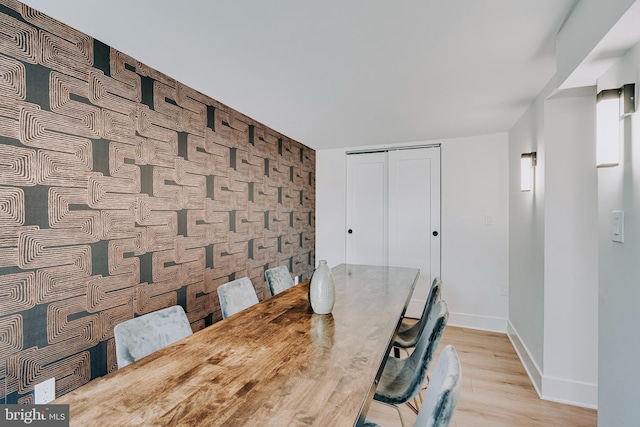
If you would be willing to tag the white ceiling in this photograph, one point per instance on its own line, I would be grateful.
(338, 73)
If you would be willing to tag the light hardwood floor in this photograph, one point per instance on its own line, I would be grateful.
(496, 390)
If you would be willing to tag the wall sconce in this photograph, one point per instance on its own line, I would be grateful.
(611, 105)
(527, 163)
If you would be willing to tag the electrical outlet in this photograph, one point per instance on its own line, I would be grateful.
(45, 392)
(296, 280)
(504, 290)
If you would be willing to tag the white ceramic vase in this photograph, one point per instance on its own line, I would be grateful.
(322, 289)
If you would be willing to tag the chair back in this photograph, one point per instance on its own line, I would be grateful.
(279, 279)
(143, 335)
(423, 354)
(434, 295)
(236, 295)
(432, 298)
(443, 392)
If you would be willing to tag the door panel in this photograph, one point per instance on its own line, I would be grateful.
(414, 215)
(366, 208)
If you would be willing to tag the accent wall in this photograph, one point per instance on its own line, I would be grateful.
(123, 191)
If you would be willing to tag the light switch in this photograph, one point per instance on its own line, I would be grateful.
(617, 226)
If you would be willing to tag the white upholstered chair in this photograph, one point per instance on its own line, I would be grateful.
(143, 335)
(279, 279)
(236, 295)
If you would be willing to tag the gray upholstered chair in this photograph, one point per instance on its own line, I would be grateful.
(236, 295)
(279, 279)
(409, 332)
(143, 335)
(443, 392)
(402, 379)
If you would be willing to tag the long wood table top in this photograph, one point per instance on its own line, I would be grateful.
(274, 364)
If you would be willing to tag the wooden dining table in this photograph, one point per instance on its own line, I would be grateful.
(273, 364)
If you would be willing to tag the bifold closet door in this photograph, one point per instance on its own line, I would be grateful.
(393, 213)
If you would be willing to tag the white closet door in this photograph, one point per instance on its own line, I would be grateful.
(414, 217)
(367, 209)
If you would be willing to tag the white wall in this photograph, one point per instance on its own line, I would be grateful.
(475, 230)
(553, 247)
(594, 27)
(570, 250)
(619, 269)
(474, 255)
(526, 242)
(331, 195)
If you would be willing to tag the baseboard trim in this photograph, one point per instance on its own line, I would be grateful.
(549, 388)
(530, 366)
(482, 323)
(576, 393)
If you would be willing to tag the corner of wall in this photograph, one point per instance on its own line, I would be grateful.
(529, 364)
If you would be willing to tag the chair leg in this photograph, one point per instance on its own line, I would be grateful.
(415, 407)
(424, 387)
(397, 409)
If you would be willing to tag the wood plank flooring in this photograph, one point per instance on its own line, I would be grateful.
(496, 390)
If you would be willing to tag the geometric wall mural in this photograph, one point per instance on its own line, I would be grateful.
(122, 192)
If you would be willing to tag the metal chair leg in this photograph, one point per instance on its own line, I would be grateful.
(424, 387)
(397, 409)
(413, 406)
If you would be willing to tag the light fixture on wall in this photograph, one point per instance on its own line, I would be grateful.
(527, 165)
(612, 104)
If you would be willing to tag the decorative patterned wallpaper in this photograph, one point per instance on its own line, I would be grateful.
(123, 191)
